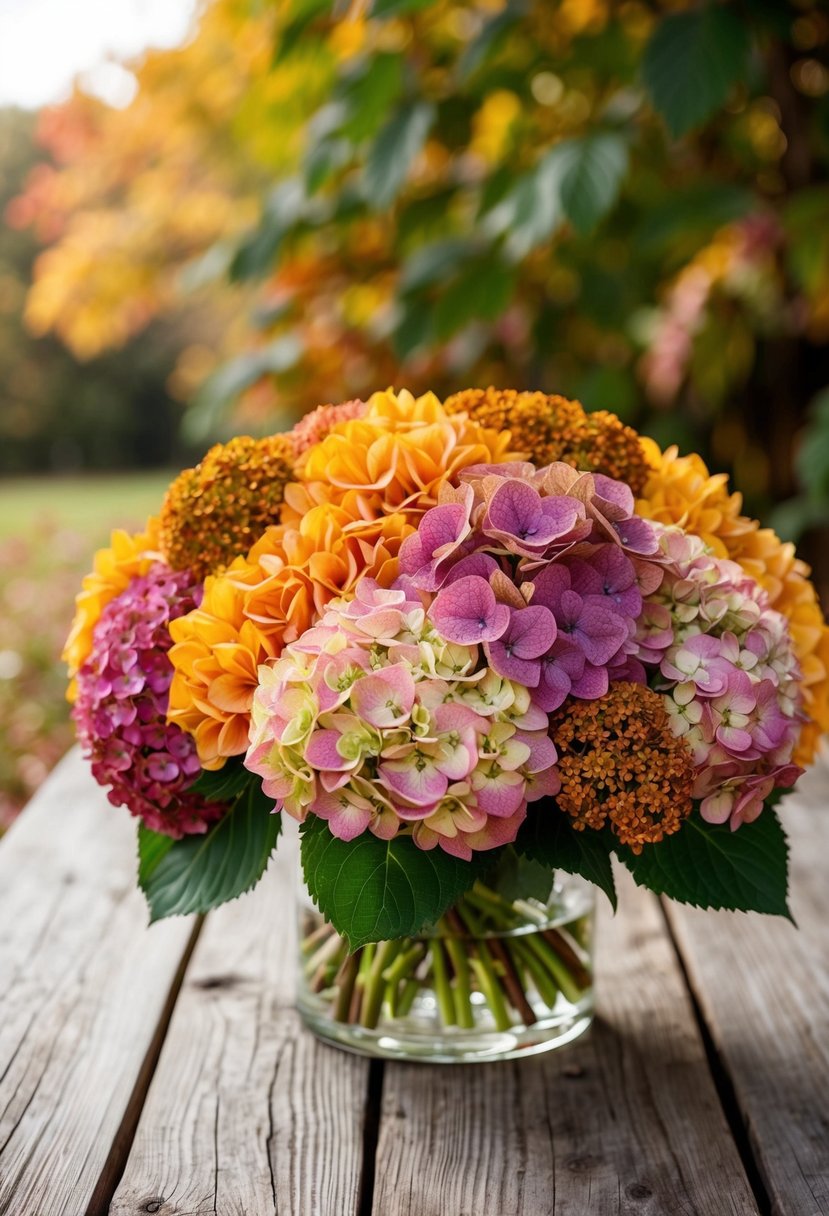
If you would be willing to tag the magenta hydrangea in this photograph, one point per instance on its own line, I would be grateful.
(725, 661)
(546, 569)
(374, 722)
(121, 707)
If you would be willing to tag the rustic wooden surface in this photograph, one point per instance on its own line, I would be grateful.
(165, 1070)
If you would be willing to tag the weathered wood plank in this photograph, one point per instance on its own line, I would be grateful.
(83, 989)
(625, 1121)
(763, 987)
(248, 1114)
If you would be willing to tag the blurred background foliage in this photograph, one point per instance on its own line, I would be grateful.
(626, 201)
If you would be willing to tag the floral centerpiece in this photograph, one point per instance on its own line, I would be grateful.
(476, 649)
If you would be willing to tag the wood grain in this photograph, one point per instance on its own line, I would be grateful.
(763, 987)
(626, 1121)
(83, 988)
(248, 1114)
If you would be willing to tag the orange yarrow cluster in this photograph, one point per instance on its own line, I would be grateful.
(549, 428)
(621, 765)
(214, 512)
(680, 490)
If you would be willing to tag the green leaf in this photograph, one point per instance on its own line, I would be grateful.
(591, 171)
(692, 61)
(393, 152)
(481, 290)
(302, 14)
(225, 783)
(369, 93)
(516, 877)
(487, 41)
(198, 873)
(398, 8)
(377, 890)
(548, 836)
(710, 866)
(433, 263)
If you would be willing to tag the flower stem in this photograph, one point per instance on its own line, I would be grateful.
(462, 989)
(443, 990)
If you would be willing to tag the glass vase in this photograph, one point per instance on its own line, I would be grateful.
(497, 978)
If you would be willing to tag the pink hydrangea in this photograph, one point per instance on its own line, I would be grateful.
(546, 569)
(725, 662)
(320, 422)
(121, 707)
(374, 722)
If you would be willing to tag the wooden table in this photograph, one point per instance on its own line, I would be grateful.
(165, 1070)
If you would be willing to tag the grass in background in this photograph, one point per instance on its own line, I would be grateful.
(90, 506)
(49, 530)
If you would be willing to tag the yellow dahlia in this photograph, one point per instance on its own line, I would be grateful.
(395, 458)
(214, 512)
(258, 605)
(680, 490)
(127, 557)
(547, 428)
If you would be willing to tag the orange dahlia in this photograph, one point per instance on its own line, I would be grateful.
(547, 428)
(680, 490)
(214, 512)
(216, 656)
(257, 606)
(393, 459)
(621, 765)
(127, 557)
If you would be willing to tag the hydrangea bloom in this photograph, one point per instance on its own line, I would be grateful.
(375, 723)
(545, 568)
(121, 706)
(726, 662)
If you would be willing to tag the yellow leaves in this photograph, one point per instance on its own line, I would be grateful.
(493, 124)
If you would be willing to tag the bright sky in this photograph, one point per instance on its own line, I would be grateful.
(45, 44)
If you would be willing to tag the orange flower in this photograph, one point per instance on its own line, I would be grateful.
(620, 764)
(548, 428)
(681, 491)
(128, 557)
(257, 606)
(395, 458)
(216, 655)
(214, 512)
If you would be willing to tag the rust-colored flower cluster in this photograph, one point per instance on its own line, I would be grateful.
(620, 765)
(216, 511)
(547, 428)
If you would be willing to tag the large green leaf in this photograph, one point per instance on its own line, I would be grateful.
(481, 290)
(591, 171)
(394, 150)
(692, 61)
(710, 866)
(198, 873)
(225, 783)
(548, 836)
(529, 211)
(397, 8)
(376, 890)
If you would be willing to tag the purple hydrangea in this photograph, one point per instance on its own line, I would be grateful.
(121, 707)
(545, 568)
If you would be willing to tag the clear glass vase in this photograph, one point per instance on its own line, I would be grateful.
(496, 979)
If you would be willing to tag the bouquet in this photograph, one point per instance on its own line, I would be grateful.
(468, 646)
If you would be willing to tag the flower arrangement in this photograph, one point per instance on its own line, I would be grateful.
(468, 646)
